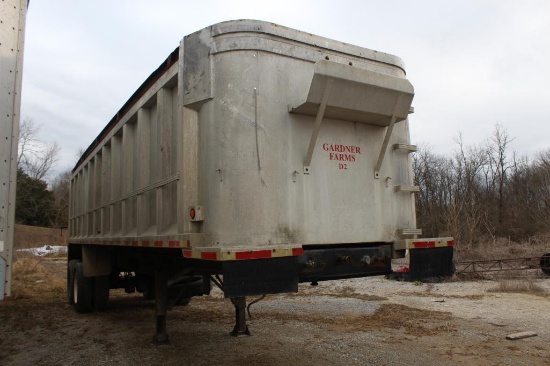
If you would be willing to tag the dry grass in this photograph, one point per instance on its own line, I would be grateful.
(35, 236)
(28, 268)
(37, 297)
(36, 279)
(524, 285)
(518, 282)
(503, 248)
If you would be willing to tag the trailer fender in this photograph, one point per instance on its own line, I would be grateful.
(97, 261)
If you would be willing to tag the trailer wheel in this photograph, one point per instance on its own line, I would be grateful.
(70, 280)
(545, 263)
(101, 292)
(148, 291)
(184, 301)
(82, 290)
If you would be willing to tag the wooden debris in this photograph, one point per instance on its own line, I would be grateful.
(520, 335)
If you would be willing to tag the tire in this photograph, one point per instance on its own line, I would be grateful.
(70, 280)
(101, 292)
(184, 301)
(148, 291)
(82, 290)
(545, 263)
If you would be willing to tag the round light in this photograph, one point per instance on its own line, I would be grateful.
(192, 213)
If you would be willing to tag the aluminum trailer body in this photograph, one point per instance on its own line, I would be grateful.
(12, 36)
(256, 152)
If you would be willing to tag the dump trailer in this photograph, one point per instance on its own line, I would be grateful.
(254, 158)
(12, 36)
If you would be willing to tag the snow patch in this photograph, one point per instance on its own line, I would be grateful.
(45, 250)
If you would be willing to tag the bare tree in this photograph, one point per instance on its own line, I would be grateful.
(467, 165)
(431, 174)
(539, 190)
(35, 157)
(482, 190)
(499, 165)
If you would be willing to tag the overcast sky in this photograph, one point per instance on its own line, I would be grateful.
(473, 63)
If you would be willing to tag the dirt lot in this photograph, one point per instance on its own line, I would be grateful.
(354, 322)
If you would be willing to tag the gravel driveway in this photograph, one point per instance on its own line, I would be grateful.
(371, 321)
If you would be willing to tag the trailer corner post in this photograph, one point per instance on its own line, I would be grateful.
(12, 36)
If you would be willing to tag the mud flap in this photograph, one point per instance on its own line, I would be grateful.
(260, 276)
(430, 262)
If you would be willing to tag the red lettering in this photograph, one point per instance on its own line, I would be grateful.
(342, 148)
(339, 152)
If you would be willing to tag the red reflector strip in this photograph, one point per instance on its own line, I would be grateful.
(256, 254)
(209, 256)
(135, 242)
(424, 244)
(297, 251)
(242, 255)
(432, 244)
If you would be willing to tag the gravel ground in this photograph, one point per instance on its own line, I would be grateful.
(371, 321)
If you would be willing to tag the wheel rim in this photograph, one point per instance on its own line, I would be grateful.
(75, 290)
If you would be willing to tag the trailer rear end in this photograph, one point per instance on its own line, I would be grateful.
(255, 157)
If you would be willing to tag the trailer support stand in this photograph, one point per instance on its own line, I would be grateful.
(161, 307)
(240, 317)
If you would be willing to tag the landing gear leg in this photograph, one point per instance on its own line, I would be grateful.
(240, 317)
(161, 307)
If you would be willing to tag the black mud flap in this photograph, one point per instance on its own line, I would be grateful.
(260, 276)
(430, 262)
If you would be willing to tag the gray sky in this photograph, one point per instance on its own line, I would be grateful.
(473, 63)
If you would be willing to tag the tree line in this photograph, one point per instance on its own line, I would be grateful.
(482, 191)
(37, 203)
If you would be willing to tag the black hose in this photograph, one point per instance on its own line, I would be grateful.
(252, 303)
